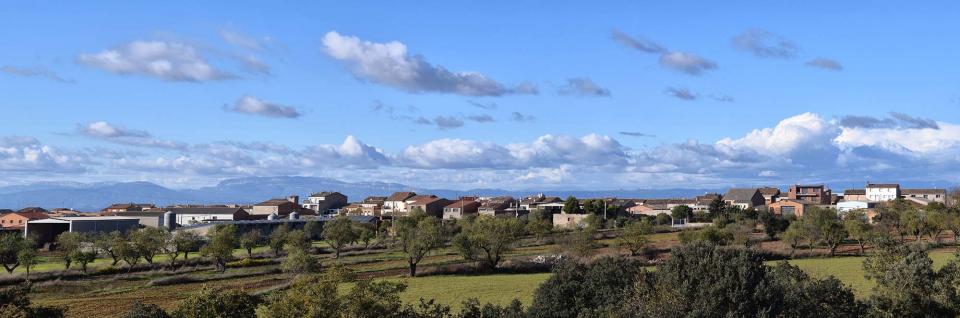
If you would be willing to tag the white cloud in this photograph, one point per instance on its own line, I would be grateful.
(40, 72)
(167, 60)
(762, 43)
(546, 151)
(121, 135)
(390, 64)
(684, 62)
(825, 63)
(689, 63)
(581, 86)
(254, 106)
(242, 40)
(27, 155)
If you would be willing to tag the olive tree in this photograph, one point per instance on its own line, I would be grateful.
(492, 237)
(10, 246)
(221, 242)
(339, 233)
(634, 237)
(250, 240)
(417, 235)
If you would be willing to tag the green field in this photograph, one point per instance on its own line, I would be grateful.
(453, 290)
(849, 270)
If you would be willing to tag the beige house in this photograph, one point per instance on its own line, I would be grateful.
(569, 221)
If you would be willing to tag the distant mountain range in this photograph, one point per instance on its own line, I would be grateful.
(96, 196)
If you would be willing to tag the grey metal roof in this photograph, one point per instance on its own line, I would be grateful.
(740, 194)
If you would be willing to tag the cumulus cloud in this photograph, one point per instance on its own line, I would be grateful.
(38, 72)
(20, 154)
(545, 151)
(684, 62)
(581, 86)
(390, 64)
(825, 63)
(254, 106)
(121, 135)
(167, 60)
(762, 43)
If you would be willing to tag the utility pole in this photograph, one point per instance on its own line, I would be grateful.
(604, 209)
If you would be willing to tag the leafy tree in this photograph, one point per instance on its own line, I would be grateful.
(321, 296)
(772, 224)
(912, 288)
(539, 223)
(578, 242)
(585, 290)
(417, 235)
(250, 240)
(68, 243)
(703, 280)
(183, 242)
(141, 310)
(716, 207)
(15, 302)
(277, 239)
(634, 237)
(128, 253)
(710, 235)
(298, 240)
(107, 242)
(339, 233)
(314, 229)
(209, 302)
(952, 222)
(794, 235)
(571, 205)
(681, 212)
(663, 219)
(28, 257)
(221, 242)
(492, 237)
(823, 225)
(83, 257)
(149, 241)
(300, 262)
(10, 246)
(857, 228)
(366, 235)
(936, 223)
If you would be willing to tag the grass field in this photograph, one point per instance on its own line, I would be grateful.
(453, 290)
(849, 270)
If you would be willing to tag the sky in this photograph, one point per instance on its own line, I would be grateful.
(492, 94)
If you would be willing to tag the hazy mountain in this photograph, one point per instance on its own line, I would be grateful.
(92, 197)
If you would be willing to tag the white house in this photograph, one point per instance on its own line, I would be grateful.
(879, 192)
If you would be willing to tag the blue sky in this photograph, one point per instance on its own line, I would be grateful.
(573, 95)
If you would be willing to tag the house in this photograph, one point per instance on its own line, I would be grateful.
(925, 195)
(396, 203)
(430, 204)
(372, 206)
(196, 215)
(325, 202)
(770, 195)
(569, 221)
(816, 193)
(460, 208)
(19, 219)
(790, 207)
(880, 192)
(280, 207)
(858, 195)
(499, 206)
(127, 207)
(652, 209)
(706, 199)
(744, 198)
(533, 202)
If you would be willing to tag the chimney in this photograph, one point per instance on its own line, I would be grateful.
(294, 198)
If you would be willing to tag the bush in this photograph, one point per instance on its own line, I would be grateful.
(141, 310)
(209, 302)
(585, 290)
